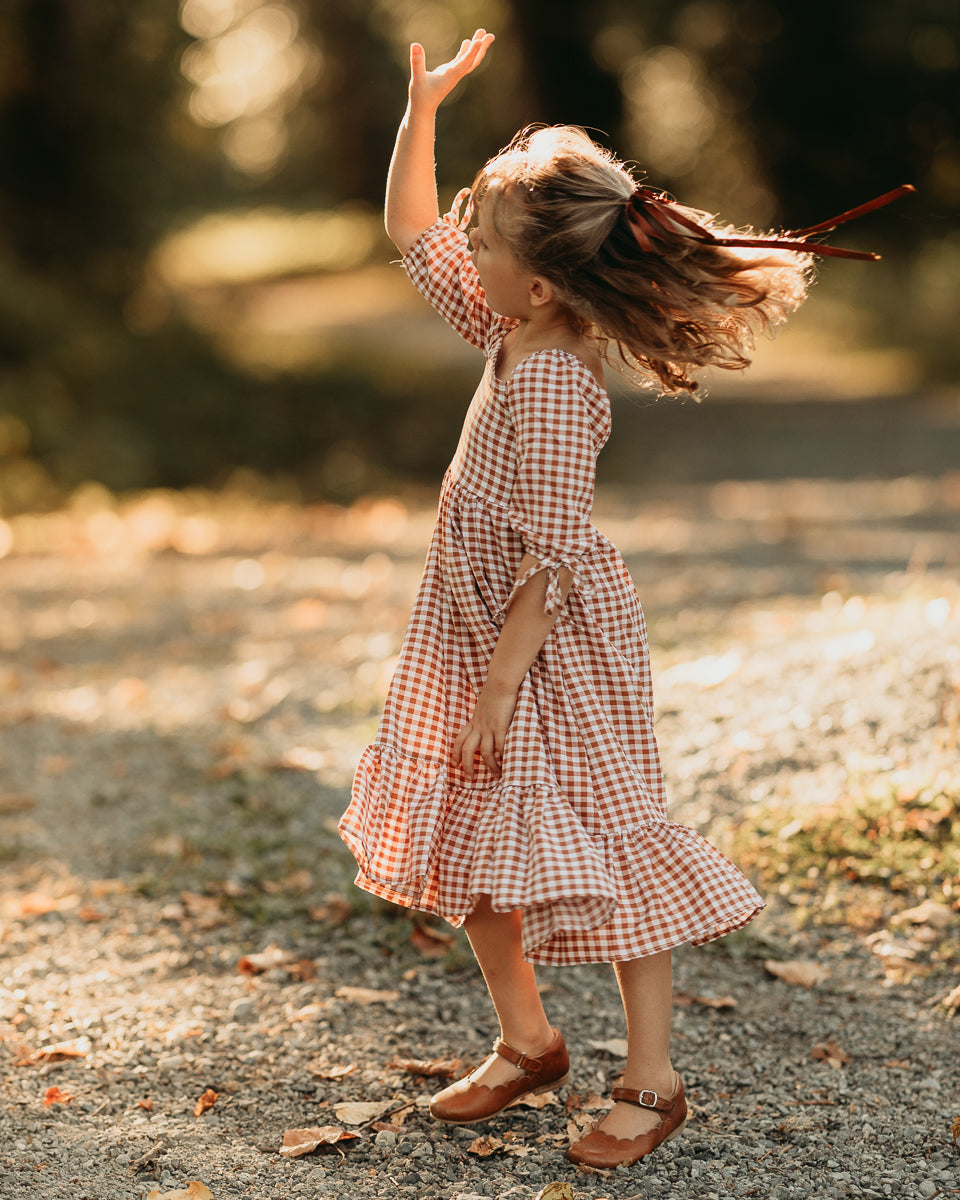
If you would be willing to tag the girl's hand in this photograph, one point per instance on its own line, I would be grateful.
(486, 732)
(432, 87)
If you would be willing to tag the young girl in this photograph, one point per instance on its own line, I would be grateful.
(515, 787)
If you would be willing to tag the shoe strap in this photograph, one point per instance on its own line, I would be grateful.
(517, 1057)
(644, 1099)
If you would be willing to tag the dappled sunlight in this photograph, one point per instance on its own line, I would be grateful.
(248, 66)
(156, 612)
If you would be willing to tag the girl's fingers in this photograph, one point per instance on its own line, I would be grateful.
(417, 61)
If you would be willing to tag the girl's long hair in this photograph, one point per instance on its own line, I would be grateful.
(562, 205)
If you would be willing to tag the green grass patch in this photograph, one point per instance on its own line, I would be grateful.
(889, 835)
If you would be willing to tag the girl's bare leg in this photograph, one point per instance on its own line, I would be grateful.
(512, 984)
(646, 988)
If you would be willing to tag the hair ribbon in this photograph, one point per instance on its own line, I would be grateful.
(652, 215)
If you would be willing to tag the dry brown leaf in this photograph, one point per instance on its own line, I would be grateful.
(485, 1146)
(899, 1064)
(266, 960)
(431, 943)
(534, 1101)
(955, 1130)
(359, 1112)
(575, 1102)
(305, 1141)
(14, 803)
(61, 1051)
(716, 1001)
(363, 995)
(951, 1001)
(335, 1072)
(443, 1068)
(578, 1125)
(53, 1095)
(398, 1116)
(799, 972)
(615, 1046)
(830, 1052)
(145, 1104)
(195, 1190)
(930, 912)
(334, 910)
(555, 1191)
(205, 1102)
(37, 904)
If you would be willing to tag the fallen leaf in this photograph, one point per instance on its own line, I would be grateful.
(530, 1100)
(305, 1141)
(37, 904)
(955, 1130)
(206, 911)
(335, 1072)
(205, 1102)
(951, 1001)
(145, 1104)
(578, 1125)
(398, 1116)
(86, 912)
(485, 1146)
(831, 1053)
(800, 972)
(590, 1103)
(684, 1000)
(443, 1068)
(615, 1046)
(195, 1190)
(363, 995)
(431, 943)
(930, 912)
(14, 803)
(334, 910)
(555, 1191)
(359, 1112)
(266, 960)
(53, 1095)
(61, 1051)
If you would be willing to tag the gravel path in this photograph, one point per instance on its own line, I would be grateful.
(184, 687)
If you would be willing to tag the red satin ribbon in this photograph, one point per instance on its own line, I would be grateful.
(652, 215)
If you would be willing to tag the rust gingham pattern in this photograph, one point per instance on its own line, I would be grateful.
(575, 832)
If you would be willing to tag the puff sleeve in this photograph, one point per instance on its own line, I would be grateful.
(439, 266)
(561, 419)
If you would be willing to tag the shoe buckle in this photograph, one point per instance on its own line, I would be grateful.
(652, 1102)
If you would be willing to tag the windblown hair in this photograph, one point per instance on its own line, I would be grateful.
(560, 203)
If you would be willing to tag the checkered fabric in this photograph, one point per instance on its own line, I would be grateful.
(574, 833)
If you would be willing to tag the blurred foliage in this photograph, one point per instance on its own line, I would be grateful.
(126, 125)
(902, 837)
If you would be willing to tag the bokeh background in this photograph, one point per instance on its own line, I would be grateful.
(194, 278)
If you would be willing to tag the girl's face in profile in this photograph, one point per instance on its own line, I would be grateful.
(506, 284)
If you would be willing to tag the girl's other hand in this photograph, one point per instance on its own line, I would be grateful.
(485, 733)
(432, 87)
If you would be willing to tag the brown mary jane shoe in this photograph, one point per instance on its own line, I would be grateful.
(601, 1150)
(466, 1102)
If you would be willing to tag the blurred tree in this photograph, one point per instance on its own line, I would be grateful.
(564, 82)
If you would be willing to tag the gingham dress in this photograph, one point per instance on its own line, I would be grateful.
(574, 833)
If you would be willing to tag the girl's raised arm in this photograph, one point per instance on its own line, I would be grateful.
(411, 205)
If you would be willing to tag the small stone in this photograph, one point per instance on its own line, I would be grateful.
(928, 1189)
(385, 1140)
(243, 1011)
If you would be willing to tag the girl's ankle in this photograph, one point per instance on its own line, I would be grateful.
(531, 1042)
